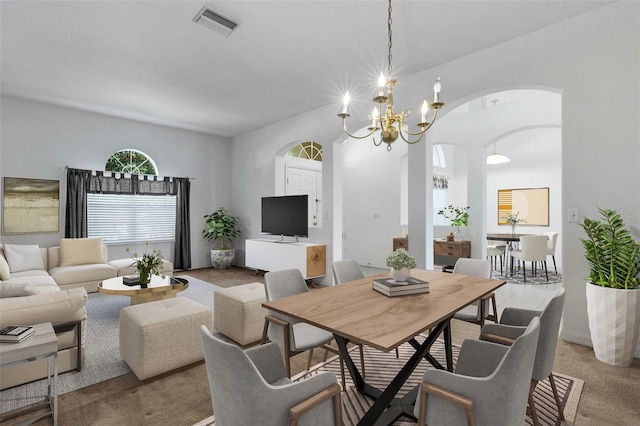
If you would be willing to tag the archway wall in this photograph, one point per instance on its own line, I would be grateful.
(600, 128)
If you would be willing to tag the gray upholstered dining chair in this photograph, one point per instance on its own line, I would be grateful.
(251, 387)
(533, 248)
(513, 323)
(290, 334)
(478, 311)
(348, 270)
(489, 387)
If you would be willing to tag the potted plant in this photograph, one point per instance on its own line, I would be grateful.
(458, 216)
(221, 226)
(613, 287)
(400, 262)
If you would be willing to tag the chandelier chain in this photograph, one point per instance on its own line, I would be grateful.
(389, 21)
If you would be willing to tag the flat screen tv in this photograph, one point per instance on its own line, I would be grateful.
(286, 215)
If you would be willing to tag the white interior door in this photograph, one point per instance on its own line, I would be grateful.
(302, 181)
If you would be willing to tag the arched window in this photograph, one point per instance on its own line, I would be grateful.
(309, 150)
(123, 219)
(131, 161)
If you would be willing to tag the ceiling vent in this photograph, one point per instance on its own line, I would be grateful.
(214, 21)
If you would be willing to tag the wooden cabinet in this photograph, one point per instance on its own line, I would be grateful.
(273, 255)
(452, 248)
(401, 243)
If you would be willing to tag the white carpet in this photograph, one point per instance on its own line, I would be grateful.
(102, 357)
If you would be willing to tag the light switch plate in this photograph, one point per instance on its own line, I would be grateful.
(574, 215)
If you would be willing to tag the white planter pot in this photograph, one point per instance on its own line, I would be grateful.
(222, 259)
(614, 322)
(400, 274)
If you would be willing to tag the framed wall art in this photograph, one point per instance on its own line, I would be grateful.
(531, 205)
(30, 206)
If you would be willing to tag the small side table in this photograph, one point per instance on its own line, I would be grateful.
(42, 345)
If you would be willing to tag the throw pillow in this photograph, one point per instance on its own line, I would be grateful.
(23, 257)
(4, 269)
(16, 290)
(81, 251)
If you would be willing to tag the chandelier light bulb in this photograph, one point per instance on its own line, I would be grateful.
(381, 83)
(374, 117)
(437, 87)
(345, 100)
(424, 110)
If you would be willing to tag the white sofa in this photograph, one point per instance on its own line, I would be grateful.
(53, 288)
(37, 299)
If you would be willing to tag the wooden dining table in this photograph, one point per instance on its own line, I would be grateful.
(354, 312)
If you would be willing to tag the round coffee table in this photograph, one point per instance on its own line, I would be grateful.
(158, 289)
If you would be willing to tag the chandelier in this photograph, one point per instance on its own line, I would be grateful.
(384, 118)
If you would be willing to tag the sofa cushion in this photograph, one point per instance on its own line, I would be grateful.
(23, 257)
(4, 269)
(81, 251)
(11, 289)
(57, 308)
(39, 279)
(82, 273)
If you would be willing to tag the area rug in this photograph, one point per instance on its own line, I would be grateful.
(382, 367)
(102, 354)
(540, 278)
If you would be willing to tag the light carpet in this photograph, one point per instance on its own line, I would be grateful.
(382, 367)
(102, 354)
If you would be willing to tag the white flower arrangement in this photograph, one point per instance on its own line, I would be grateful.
(513, 219)
(148, 264)
(401, 259)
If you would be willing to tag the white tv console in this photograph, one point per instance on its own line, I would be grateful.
(274, 255)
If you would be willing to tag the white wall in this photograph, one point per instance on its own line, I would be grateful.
(38, 140)
(598, 74)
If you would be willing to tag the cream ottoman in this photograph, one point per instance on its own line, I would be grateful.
(124, 267)
(238, 312)
(160, 336)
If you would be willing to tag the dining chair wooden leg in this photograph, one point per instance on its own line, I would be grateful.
(554, 264)
(532, 406)
(556, 396)
(362, 359)
(545, 270)
(309, 359)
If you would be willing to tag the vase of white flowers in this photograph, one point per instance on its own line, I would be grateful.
(513, 219)
(147, 265)
(400, 262)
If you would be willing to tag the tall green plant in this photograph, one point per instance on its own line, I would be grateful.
(612, 253)
(220, 225)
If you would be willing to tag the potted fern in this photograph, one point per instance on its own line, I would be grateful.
(221, 226)
(613, 287)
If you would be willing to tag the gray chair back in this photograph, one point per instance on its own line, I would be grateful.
(346, 270)
(533, 248)
(279, 284)
(548, 340)
(503, 399)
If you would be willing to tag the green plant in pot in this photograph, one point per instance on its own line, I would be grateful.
(458, 216)
(613, 287)
(401, 262)
(221, 227)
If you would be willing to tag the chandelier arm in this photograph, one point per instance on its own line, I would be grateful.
(344, 126)
(374, 141)
(414, 134)
(425, 127)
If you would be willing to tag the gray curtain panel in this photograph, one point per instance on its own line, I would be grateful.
(78, 182)
(182, 247)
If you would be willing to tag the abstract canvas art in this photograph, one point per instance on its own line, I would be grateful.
(531, 204)
(30, 206)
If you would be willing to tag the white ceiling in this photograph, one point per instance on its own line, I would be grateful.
(147, 60)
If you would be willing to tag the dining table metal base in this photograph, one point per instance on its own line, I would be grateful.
(387, 406)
